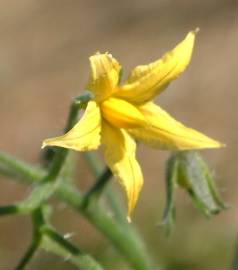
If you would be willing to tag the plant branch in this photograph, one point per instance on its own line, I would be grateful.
(125, 240)
(37, 220)
(97, 167)
(96, 190)
(13, 167)
(40, 194)
(55, 243)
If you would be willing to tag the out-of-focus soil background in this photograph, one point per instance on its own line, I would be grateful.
(44, 50)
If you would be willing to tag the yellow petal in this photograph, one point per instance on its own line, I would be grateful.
(104, 75)
(166, 133)
(85, 135)
(120, 150)
(122, 114)
(147, 81)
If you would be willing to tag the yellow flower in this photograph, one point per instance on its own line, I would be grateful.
(119, 114)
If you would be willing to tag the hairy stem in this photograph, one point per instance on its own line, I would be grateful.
(37, 220)
(124, 239)
(57, 244)
(112, 195)
(95, 191)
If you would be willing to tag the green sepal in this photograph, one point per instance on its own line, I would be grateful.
(171, 183)
(189, 171)
(195, 176)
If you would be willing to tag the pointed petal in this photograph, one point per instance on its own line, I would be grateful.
(105, 72)
(166, 133)
(85, 135)
(122, 114)
(147, 81)
(120, 150)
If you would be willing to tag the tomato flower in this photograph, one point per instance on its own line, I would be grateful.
(121, 114)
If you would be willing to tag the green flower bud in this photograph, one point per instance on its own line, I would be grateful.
(189, 171)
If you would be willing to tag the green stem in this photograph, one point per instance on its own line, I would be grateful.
(9, 209)
(125, 240)
(13, 167)
(97, 168)
(39, 195)
(94, 162)
(57, 164)
(37, 219)
(96, 190)
(55, 243)
(171, 182)
(56, 237)
(32, 249)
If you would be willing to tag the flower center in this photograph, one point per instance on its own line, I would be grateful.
(122, 114)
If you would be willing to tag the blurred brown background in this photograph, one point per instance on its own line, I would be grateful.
(44, 50)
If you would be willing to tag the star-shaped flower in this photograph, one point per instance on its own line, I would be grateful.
(121, 114)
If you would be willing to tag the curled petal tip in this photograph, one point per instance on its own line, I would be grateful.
(196, 30)
(218, 145)
(223, 145)
(128, 219)
(43, 145)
